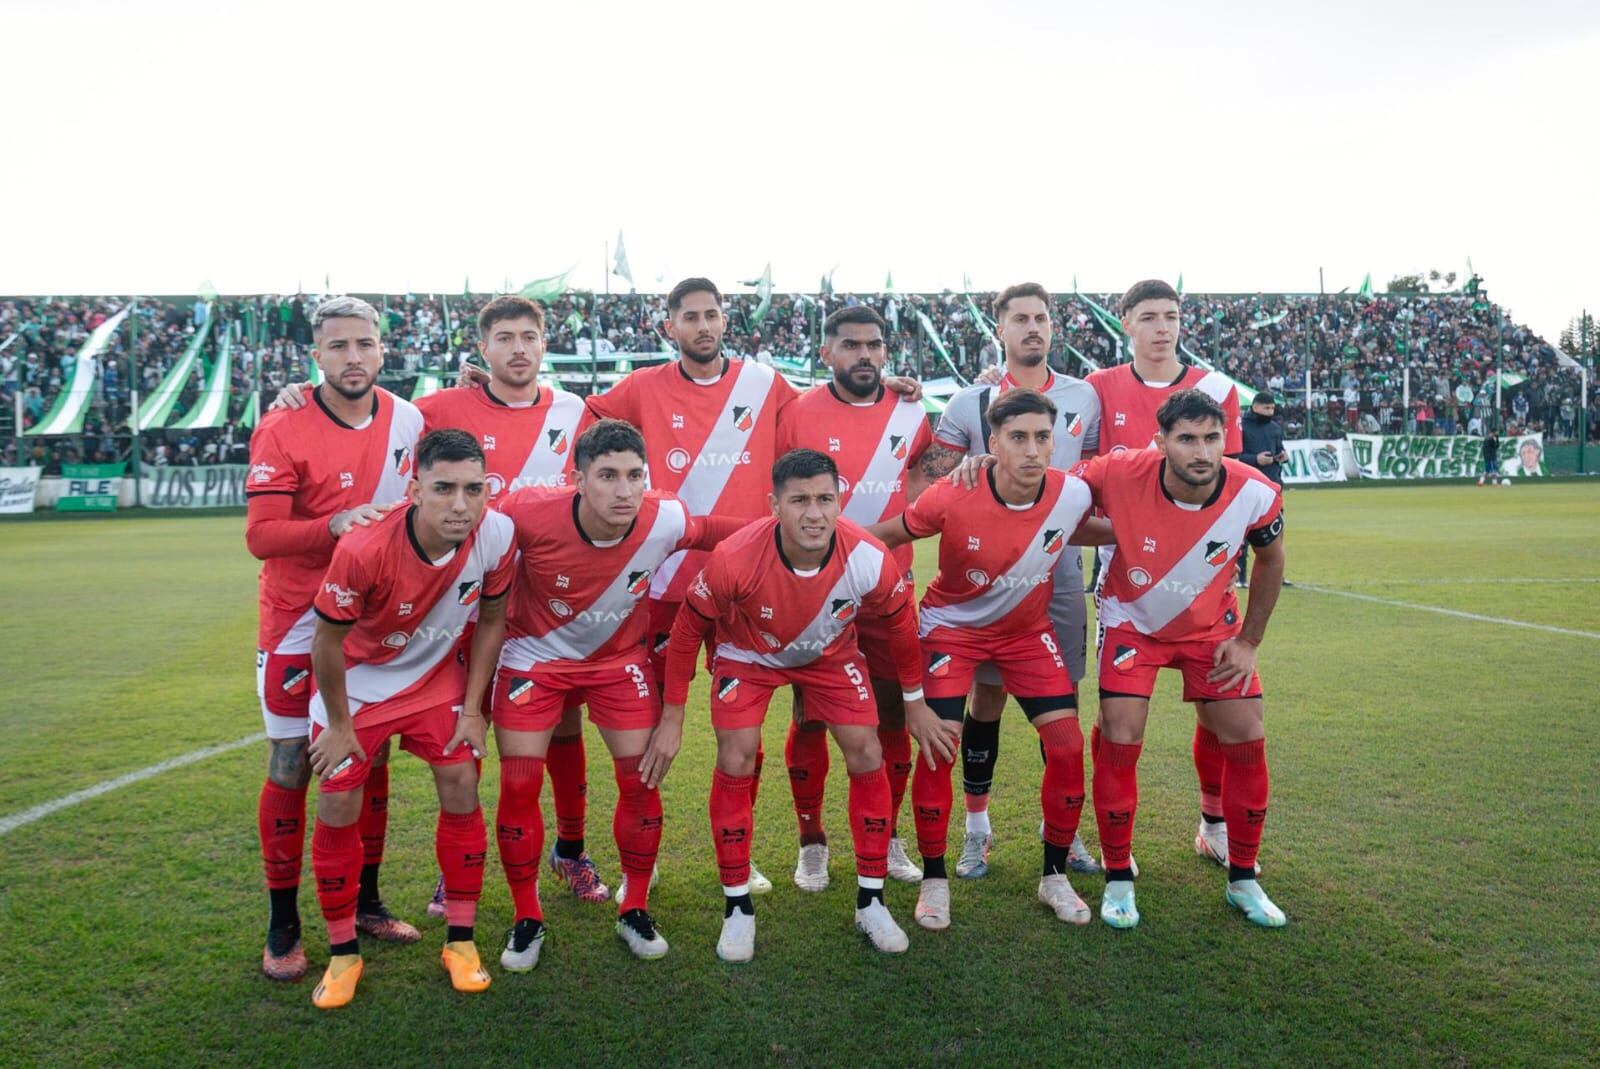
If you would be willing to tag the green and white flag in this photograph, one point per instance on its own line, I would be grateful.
(1267, 321)
(251, 413)
(66, 415)
(937, 343)
(1180, 284)
(763, 287)
(1366, 286)
(546, 289)
(427, 382)
(157, 408)
(888, 282)
(211, 407)
(619, 264)
(573, 322)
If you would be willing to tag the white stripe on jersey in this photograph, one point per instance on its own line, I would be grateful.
(580, 637)
(432, 639)
(703, 485)
(1215, 385)
(545, 467)
(1007, 590)
(1170, 595)
(860, 577)
(298, 637)
(869, 498)
(405, 427)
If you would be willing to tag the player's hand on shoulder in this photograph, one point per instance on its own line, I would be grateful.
(293, 396)
(331, 746)
(970, 471)
(908, 388)
(989, 376)
(340, 523)
(936, 737)
(471, 376)
(1233, 661)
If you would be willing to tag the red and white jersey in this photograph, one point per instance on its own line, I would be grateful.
(712, 445)
(326, 466)
(1171, 576)
(576, 599)
(995, 560)
(1128, 405)
(874, 444)
(766, 613)
(409, 612)
(523, 444)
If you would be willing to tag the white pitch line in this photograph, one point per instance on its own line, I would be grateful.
(66, 801)
(1497, 581)
(1449, 612)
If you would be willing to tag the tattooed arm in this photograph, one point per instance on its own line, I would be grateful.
(939, 460)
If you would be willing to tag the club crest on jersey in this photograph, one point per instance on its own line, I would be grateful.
(1138, 577)
(727, 687)
(560, 608)
(1054, 539)
(402, 460)
(558, 441)
(467, 593)
(638, 582)
(843, 609)
(1216, 552)
(742, 418)
(296, 681)
(1073, 422)
(1123, 655)
(939, 664)
(520, 692)
(897, 446)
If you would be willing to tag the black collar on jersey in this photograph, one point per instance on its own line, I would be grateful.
(585, 534)
(726, 365)
(1222, 477)
(833, 388)
(411, 535)
(316, 395)
(995, 490)
(777, 537)
(537, 392)
(1183, 369)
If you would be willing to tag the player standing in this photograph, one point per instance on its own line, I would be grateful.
(316, 473)
(1180, 514)
(578, 633)
(1000, 545)
(1129, 396)
(1022, 315)
(876, 437)
(782, 597)
(387, 654)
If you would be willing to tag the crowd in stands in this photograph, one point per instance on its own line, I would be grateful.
(1357, 347)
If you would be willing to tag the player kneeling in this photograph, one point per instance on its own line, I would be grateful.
(579, 633)
(990, 603)
(387, 659)
(782, 596)
(1180, 514)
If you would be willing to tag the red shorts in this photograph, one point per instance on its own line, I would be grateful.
(662, 613)
(621, 697)
(283, 683)
(423, 733)
(1129, 662)
(836, 691)
(1030, 664)
(872, 635)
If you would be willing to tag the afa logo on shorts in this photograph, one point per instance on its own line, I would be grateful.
(1216, 552)
(741, 417)
(843, 609)
(727, 687)
(1054, 539)
(939, 664)
(1123, 655)
(467, 593)
(638, 582)
(558, 441)
(296, 681)
(897, 446)
(520, 692)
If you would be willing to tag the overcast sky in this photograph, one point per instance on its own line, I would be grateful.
(152, 146)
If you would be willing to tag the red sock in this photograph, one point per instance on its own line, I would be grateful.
(1094, 742)
(755, 777)
(281, 822)
(806, 754)
(1208, 762)
(374, 815)
(519, 830)
(637, 827)
(896, 745)
(336, 862)
(1061, 793)
(931, 797)
(731, 825)
(1245, 787)
(1116, 799)
(869, 822)
(461, 845)
(569, 783)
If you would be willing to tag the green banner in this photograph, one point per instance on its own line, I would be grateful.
(1417, 456)
(157, 408)
(427, 382)
(66, 415)
(206, 487)
(90, 487)
(210, 409)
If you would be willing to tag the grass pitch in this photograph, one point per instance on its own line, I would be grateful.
(1433, 838)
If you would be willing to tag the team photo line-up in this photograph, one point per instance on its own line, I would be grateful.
(503, 554)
